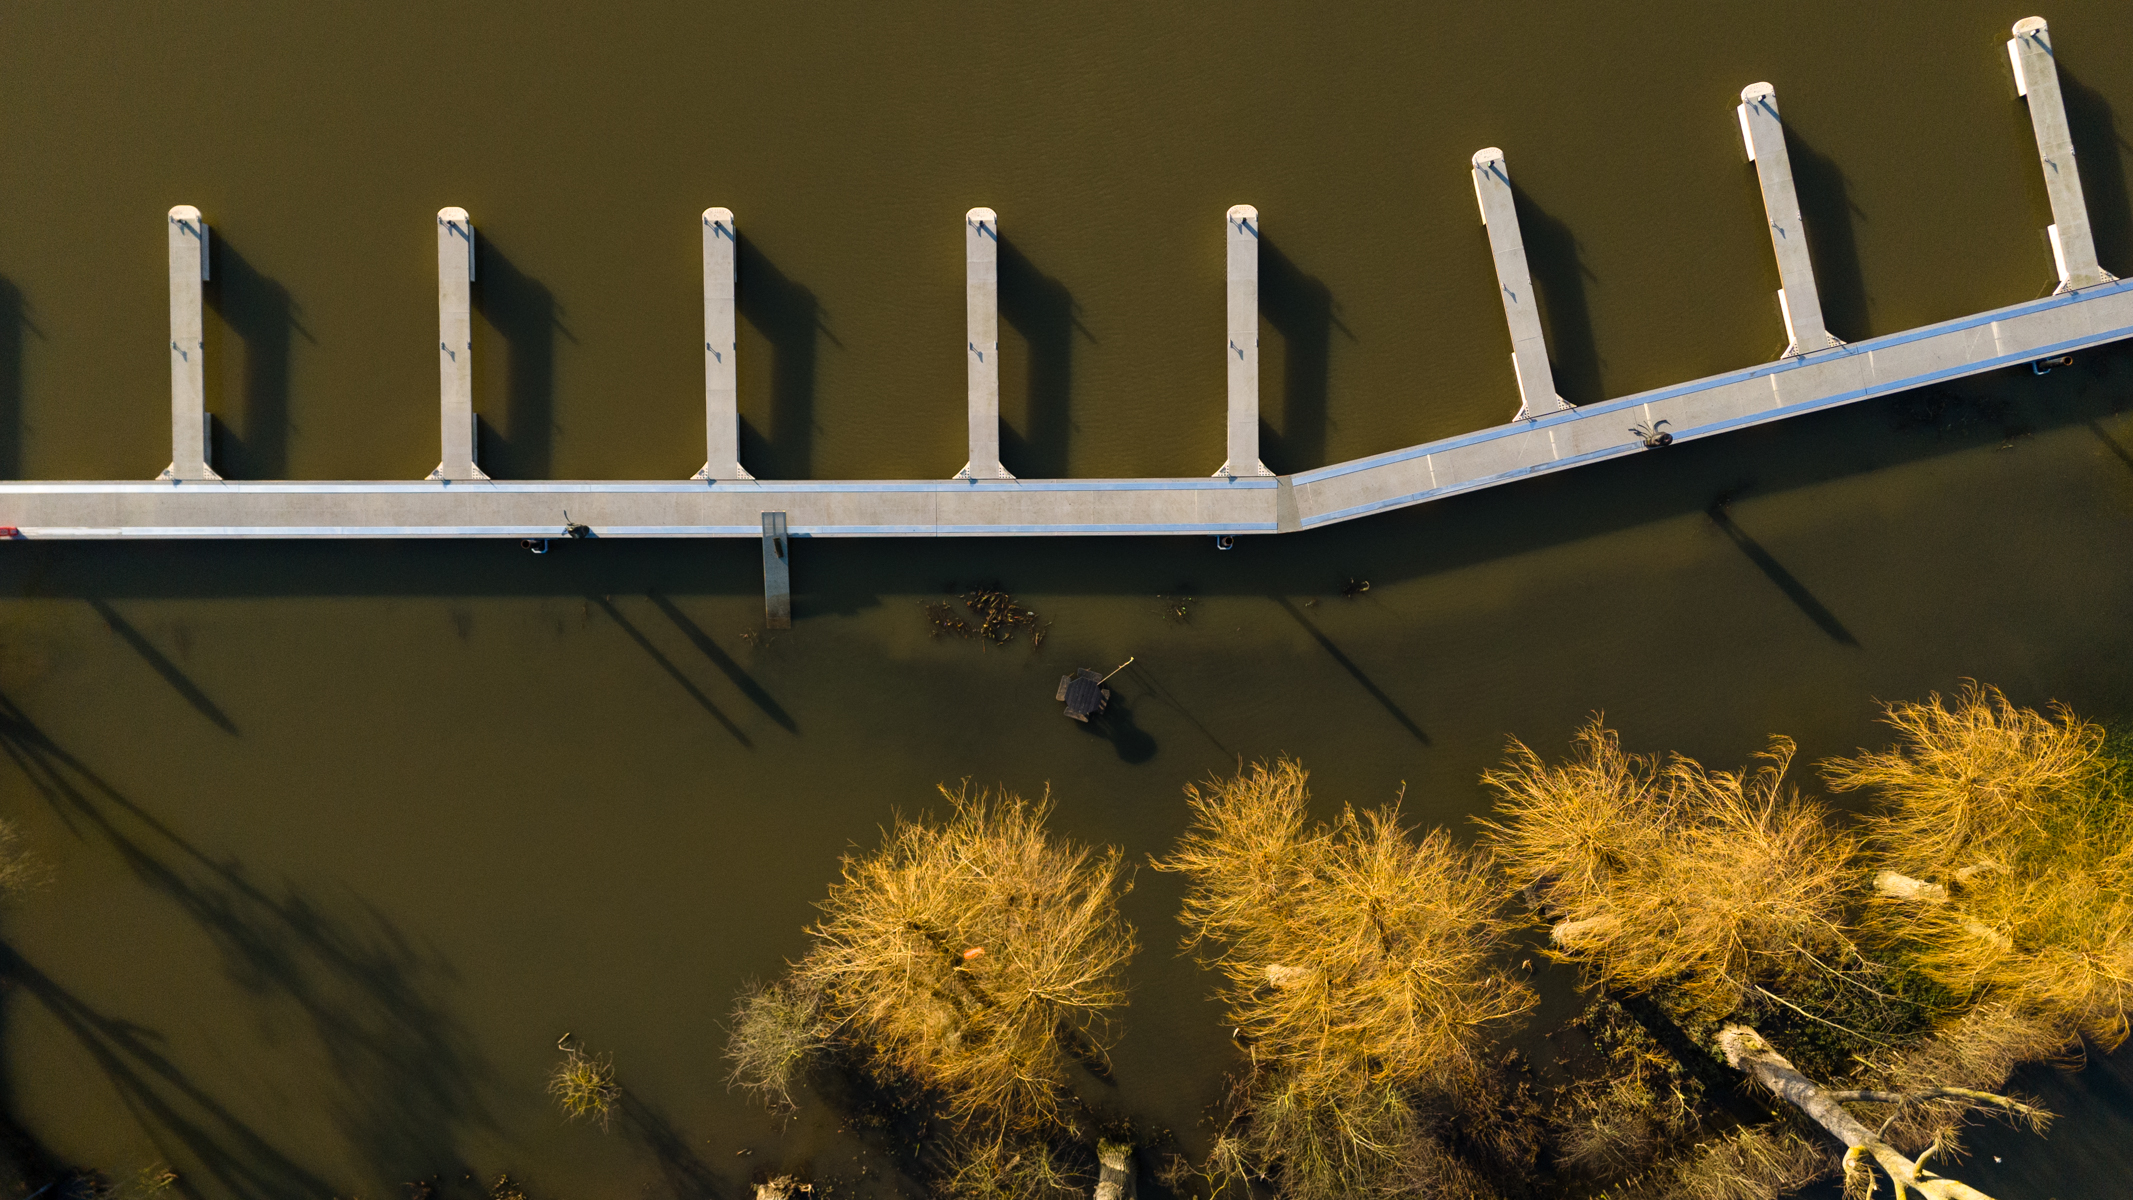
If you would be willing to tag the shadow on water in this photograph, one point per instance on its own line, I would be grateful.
(1042, 310)
(2098, 150)
(724, 662)
(1300, 307)
(14, 322)
(1115, 725)
(161, 665)
(1827, 210)
(1348, 664)
(525, 314)
(260, 311)
(1559, 279)
(790, 319)
(406, 1075)
(686, 1174)
(667, 664)
(1785, 580)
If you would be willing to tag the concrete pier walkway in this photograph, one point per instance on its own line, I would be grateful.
(1817, 372)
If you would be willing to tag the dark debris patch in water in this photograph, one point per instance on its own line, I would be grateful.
(994, 618)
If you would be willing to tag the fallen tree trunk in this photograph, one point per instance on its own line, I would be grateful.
(1746, 1050)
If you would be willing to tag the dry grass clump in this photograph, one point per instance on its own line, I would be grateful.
(585, 1085)
(974, 955)
(1614, 1121)
(777, 1028)
(2007, 838)
(1670, 876)
(1357, 966)
(1753, 1162)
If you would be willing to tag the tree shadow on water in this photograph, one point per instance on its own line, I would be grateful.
(2098, 151)
(686, 1174)
(404, 1074)
(14, 321)
(1559, 278)
(1042, 310)
(263, 315)
(525, 314)
(790, 319)
(1301, 309)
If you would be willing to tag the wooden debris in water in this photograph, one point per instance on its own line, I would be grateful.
(1177, 609)
(997, 618)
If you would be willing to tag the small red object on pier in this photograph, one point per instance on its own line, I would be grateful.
(10, 532)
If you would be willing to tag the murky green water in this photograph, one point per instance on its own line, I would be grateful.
(343, 837)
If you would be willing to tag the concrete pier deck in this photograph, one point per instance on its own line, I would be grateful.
(1559, 441)
(2090, 308)
(2037, 77)
(1799, 301)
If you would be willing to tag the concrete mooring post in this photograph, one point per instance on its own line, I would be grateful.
(1762, 133)
(455, 343)
(777, 573)
(191, 437)
(2037, 77)
(1241, 229)
(722, 413)
(981, 321)
(1514, 282)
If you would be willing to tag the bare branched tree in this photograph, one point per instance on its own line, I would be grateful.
(1358, 967)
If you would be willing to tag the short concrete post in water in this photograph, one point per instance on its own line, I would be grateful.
(777, 573)
(722, 413)
(1529, 350)
(981, 320)
(1762, 133)
(455, 343)
(1242, 231)
(2037, 77)
(190, 441)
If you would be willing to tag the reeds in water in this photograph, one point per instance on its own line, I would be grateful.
(585, 1085)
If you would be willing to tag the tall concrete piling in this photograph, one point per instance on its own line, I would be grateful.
(1514, 282)
(981, 322)
(777, 572)
(722, 413)
(1762, 134)
(191, 442)
(455, 343)
(1242, 234)
(2037, 77)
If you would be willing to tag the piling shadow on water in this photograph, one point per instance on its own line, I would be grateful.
(1827, 210)
(673, 672)
(1042, 310)
(2099, 154)
(1300, 307)
(781, 446)
(746, 682)
(1785, 580)
(525, 314)
(262, 314)
(407, 1075)
(1559, 279)
(1348, 664)
(161, 665)
(14, 322)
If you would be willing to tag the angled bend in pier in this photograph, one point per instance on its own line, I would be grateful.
(2037, 77)
(722, 417)
(1762, 133)
(1241, 229)
(1514, 282)
(981, 320)
(455, 344)
(189, 439)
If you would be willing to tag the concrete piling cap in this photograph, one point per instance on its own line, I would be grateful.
(1487, 155)
(2029, 25)
(452, 213)
(1243, 212)
(982, 216)
(184, 212)
(718, 216)
(1756, 91)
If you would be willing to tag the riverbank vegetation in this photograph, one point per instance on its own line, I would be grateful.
(1775, 991)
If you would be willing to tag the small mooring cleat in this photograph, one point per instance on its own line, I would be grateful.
(573, 529)
(537, 545)
(2043, 366)
(1224, 541)
(1652, 437)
